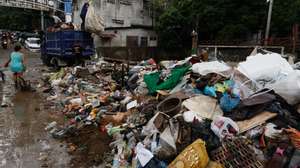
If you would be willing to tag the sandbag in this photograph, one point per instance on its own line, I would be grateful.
(203, 106)
(205, 68)
(93, 22)
(194, 156)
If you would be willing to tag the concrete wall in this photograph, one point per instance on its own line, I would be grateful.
(121, 36)
(125, 54)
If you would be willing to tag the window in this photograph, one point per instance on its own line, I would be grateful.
(153, 38)
(125, 2)
(34, 41)
(144, 41)
(146, 4)
(132, 41)
(118, 21)
(111, 1)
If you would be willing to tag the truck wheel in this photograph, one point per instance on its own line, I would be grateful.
(54, 63)
(79, 62)
(46, 60)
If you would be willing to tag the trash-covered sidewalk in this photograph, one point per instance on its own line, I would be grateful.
(180, 114)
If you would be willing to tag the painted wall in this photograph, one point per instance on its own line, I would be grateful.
(121, 16)
(127, 12)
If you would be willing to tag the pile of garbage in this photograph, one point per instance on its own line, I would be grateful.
(183, 114)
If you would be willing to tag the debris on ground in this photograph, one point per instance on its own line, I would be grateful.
(179, 114)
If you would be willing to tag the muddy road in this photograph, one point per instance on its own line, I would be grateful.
(23, 141)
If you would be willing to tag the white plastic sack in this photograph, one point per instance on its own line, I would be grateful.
(168, 137)
(190, 116)
(203, 106)
(269, 66)
(150, 128)
(205, 68)
(271, 131)
(220, 126)
(143, 154)
(93, 22)
(288, 87)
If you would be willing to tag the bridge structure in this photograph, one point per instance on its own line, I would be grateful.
(43, 6)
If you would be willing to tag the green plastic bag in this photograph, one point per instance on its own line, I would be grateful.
(152, 79)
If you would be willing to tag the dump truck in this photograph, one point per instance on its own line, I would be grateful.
(66, 48)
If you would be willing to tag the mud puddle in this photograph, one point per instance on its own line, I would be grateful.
(23, 140)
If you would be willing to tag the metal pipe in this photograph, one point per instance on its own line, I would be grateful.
(268, 22)
(42, 21)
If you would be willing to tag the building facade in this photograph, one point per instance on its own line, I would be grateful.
(128, 23)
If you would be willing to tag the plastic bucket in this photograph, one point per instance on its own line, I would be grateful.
(170, 106)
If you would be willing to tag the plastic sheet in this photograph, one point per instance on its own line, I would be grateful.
(205, 68)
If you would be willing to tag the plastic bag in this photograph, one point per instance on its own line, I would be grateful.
(265, 66)
(93, 23)
(288, 88)
(210, 91)
(224, 127)
(228, 102)
(153, 79)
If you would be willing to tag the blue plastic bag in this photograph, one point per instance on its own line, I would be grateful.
(210, 91)
(228, 102)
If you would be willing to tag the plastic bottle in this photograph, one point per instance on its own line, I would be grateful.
(116, 163)
(51, 125)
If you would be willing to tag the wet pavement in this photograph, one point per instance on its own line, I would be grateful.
(23, 141)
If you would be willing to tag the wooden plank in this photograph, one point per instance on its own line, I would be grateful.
(255, 121)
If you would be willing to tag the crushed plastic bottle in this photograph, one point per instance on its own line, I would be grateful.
(51, 125)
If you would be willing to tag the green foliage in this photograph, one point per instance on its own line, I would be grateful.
(285, 14)
(222, 19)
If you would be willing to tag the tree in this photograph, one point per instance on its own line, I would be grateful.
(222, 20)
(285, 14)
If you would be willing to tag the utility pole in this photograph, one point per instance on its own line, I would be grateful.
(268, 22)
(194, 35)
